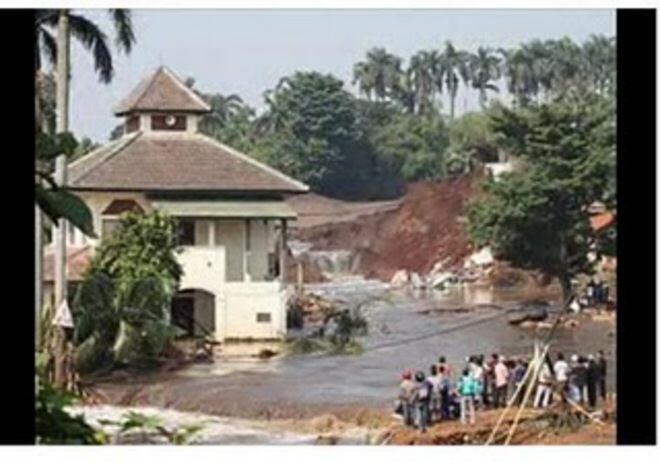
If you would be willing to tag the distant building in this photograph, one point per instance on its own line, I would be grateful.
(230, 207)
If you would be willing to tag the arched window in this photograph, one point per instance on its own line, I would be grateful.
(111, 215)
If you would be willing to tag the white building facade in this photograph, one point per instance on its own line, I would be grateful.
(231, 210)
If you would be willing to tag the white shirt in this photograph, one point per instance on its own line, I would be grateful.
(501, 374)
(435, 382)
(561, 371)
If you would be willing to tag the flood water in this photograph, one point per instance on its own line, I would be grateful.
(405, 331)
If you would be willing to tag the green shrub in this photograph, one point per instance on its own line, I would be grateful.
(55, 426)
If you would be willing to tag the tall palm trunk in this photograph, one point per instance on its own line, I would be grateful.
(62, 125)
(482, 97)
(452, 102)
(38, 234)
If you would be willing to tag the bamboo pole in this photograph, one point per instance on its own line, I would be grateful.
(537, 368)
(514, 397)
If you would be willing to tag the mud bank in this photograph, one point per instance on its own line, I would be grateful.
(528, 433)
(424, 228)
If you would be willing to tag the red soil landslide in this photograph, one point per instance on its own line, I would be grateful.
(424, 229)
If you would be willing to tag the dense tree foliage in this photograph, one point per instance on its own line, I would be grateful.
(120, 306)
(394, 131)
(536, 217)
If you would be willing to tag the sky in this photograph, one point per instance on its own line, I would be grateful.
(246, 52)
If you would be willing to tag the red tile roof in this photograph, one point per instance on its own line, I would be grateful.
(78, 258)
(120, 206)
(600, 222)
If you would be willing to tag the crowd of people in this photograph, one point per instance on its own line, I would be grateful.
(487, 383)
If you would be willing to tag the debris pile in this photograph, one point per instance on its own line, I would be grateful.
(309, 310)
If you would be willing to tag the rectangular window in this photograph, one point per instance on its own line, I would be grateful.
(108, 227)
(263, 317)
(186, 232)
(168, 122)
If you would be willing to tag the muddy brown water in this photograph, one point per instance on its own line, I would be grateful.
(405, 331)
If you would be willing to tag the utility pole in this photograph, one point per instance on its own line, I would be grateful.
(62, 125)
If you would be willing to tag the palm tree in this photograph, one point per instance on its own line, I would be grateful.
(564, 59)
(599, 59)
(93, 39)
(405, 94)
(484, 68)
(364, 76)
(87, 33)
(421, 71)
(223, 108)
(519, 73)
(378, 74)
(452, 68)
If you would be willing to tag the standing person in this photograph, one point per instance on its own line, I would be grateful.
(466, 390)
(491, 364)
(445, 388)
(591, 380)
(602, 374)
(561, 373)
(501, 382)
(478, 375)
(487, 381)
(544, 387)
(591, 286)
(574, 379)
(518, 374)
(421, 400)
(407, 396)
(442, 363)
(434, 381)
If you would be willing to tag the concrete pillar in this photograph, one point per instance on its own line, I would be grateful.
(246, 251)
(283, 254)
(212, 232)
(220, 321)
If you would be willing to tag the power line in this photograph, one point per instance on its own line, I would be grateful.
(444, 331)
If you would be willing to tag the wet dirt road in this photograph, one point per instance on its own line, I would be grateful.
(404, 332)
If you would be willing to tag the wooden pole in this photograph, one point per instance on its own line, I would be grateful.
(514, 397)
(537, 369)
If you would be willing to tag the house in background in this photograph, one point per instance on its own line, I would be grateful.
(231, 211)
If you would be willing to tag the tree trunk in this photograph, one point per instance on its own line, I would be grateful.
(62, 124)
(38, 234)
(566, 289)
(452, 102)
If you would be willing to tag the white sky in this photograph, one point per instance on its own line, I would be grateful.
(246, 52)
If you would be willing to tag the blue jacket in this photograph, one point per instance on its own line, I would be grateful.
(467, 386)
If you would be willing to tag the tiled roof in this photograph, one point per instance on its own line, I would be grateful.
(600, 222)
(161, 91)
(120, 206)
(175, 162)
(78, 258)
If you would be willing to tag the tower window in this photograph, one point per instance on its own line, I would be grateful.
(168, 122)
